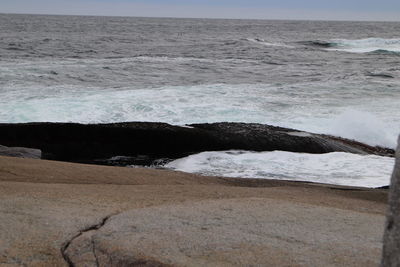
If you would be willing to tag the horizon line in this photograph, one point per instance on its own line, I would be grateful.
(210, 18)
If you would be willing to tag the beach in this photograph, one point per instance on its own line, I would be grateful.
(60, 214)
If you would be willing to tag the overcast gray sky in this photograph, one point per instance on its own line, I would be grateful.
(252, 9)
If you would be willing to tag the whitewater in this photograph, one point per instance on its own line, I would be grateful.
(338, 78)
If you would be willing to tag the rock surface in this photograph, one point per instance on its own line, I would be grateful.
(143, 142)
(56, 213)
(249, 231)
(20, 152)
(391, 249)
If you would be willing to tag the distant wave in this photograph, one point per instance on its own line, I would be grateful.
(386, 52)
(266, 43)
(165, 59)
(368, 45)
(380, 75)
(143, 58)
(317, 43)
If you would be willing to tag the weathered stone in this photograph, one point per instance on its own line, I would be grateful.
(57, 213)
(391, 247)
(251, 231)
(20, 152)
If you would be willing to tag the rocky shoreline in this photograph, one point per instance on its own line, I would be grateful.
(67, 214)
(148, 143)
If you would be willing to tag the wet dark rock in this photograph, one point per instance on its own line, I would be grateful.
(144, 142)
(88, 143)
(259, 137)
(380, 75)
(384, 187)
(20, 152)
(139, 160)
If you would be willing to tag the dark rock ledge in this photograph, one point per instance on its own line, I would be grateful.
(20, 152)
(146, 143)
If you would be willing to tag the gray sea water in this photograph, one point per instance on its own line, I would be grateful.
(340, 78)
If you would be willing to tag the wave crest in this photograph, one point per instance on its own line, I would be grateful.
(368, 45)
(266, 43)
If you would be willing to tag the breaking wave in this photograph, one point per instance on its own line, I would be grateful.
(333, 168)
(266, 43)
(368, 45)
(372, 121)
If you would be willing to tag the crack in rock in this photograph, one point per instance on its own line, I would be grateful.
(66, 245)
(94, 253)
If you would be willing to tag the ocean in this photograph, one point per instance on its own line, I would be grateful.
(338, 78)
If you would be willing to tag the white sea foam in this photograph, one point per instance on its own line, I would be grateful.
(367, 119)
(332, 168)
(361, 126)
(366, 45)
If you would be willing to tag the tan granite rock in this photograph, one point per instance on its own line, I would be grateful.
(391, 250)
(235, 232)
(51, 214)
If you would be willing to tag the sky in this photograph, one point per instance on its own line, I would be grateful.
(386, 10)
